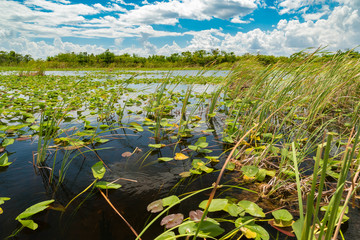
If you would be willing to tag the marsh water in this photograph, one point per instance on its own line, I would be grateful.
(143, 177)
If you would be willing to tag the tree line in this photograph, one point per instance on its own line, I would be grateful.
(199, 58)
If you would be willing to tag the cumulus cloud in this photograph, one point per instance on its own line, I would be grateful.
(318, 25)
(41, 49)
(169, 12)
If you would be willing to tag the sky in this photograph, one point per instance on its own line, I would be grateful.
(44, 28)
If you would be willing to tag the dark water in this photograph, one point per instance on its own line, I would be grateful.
(93, 218)
(90, 216)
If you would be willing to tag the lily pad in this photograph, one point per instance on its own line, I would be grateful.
(170, 200)
(251, 208)
(172, 220)
(217, 204)
(156, 206)
(180, 156)
(166, 236)
(207, 228)
(4, 160)
(98, 170)
(196, 215)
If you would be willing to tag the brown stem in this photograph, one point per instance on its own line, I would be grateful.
(112, 206)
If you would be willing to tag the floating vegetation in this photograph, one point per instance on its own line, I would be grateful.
(281, 146)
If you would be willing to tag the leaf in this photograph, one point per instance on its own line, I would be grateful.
(196, 215)
(166, 236)
(185, 174)
(248, 233)
(3, 199)
(230, 166)
(4, 160)
(234, 210)
(165, 159)
(180, 156)
(216, 204)
(172, 220)
(98, 170)
(170, 200)
(101, 140)
(157, 145)
(250, 171)
(207, 228)
(156, 206)
(282, 214)
(137, 126)
(297, 226)
(126, 154)
(7, 142)
(28, 223)
(36, 208)
(259, 231)
(107, 185)
(251, 208)
(192, 147)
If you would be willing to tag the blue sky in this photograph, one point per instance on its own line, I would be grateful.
(47, 27)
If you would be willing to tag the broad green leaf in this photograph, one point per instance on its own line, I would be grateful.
(207, 228)
(194, 148)
(260, 176)
(98, 170)
(28, 223)
(4, 160)
(260, 231)
(250, 171)
(107, 185)
(282, 214)
(7, 142)
(170, 200)
(251, 208)
(297, 226)
(165, 159)
(166, 236)
(230, 166)
(216, 204)
(234, 210)
(202, 144)
(36, 208)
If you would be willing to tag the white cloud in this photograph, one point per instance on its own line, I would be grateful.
(169, 12)
(290, 6)
(316, 16)
(238, 20)
(41, 49)
(111, 8)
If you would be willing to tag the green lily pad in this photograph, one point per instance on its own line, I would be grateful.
(251, 208)
(170, 200)
(216, 204)
(4, 160)
(98, 170)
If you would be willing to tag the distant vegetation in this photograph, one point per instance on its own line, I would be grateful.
(198, 58)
